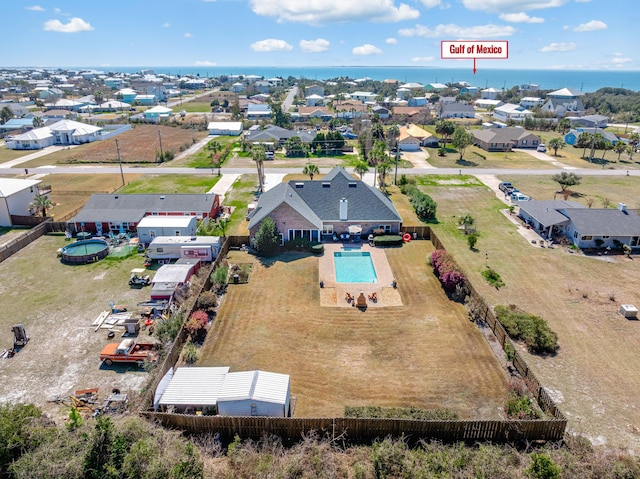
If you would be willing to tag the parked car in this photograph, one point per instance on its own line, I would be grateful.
(542, 148)
(517, 196)
(506, 187)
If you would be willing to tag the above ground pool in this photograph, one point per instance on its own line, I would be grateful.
(354, 267)
(86, 251)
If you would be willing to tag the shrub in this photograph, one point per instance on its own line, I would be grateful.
(267, 238)
(441, 414)
(542, 467)
(190, 353)
(387, 240)
(493, 277)
(219, 278)
(534, 330)
(196, 324)
(403, 180)
(422, 203)
(520, 407)
(207, 301)
(447, 271)
(472, 239)
(167, 329)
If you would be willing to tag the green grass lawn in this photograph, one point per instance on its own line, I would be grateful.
(240, 195)
(193, 107)
(8, 155)
(186, 184)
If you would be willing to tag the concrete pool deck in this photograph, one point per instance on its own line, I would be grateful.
(333, 294)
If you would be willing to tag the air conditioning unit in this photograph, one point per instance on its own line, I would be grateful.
(629, 311)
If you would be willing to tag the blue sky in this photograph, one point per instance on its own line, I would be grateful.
(546, 34)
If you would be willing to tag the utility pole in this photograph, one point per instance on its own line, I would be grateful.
(120, 161)
(161, 152)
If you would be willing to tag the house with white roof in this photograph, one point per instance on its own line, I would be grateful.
(510, 112)
(490, 93)
(530, 102)
(17, 195)
(564, 101)
(314, 100)
(62, 132)
(230, 128)
(158, 113)
(363, 96)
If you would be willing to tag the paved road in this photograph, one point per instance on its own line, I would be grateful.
(288, 101)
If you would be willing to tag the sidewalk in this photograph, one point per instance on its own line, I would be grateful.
(32, 156)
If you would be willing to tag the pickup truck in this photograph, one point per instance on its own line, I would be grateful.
(129, 351)
(506, 187)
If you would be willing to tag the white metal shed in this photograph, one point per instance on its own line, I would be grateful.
(255, 393)
(194, 389)
(151, 227)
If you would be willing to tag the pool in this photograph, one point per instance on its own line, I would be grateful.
(86, 251)
(354, 267)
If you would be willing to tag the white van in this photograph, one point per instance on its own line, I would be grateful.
(517, 196)
(542, 148)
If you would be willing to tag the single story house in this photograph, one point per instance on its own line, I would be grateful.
(277, 135)
(585, 227)
(322, 112)
(151, 227)
(487, 103)
(255, 393)
(122, 213)
(589, 121)
(15, 124)
(504, 139)
(17, 195)
(511, 112)
(321, 209)
(230, 128)
(571, 138)
(412, 137)
(258, 111)
(62, 132)
(158, 113)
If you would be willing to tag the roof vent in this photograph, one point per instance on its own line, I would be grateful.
(116, 197)
(622, 207)
(326, 184)
(162, 197)
(353, 184)
(299, 185)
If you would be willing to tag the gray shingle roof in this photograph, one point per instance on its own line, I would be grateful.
(319, 200)
(604, 222)
(546, 212)
(131, 208)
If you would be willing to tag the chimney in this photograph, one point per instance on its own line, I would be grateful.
(343, 209)
(622, 207)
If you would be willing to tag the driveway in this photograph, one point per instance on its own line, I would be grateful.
(37, 154)
(417, 158)
(544, 157)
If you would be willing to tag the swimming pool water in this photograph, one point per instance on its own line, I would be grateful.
(354, 267)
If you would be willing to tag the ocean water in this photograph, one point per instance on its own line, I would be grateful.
(586, 81)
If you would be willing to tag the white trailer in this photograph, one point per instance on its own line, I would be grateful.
(204, 248)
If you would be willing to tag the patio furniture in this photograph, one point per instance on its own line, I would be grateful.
(361, 302)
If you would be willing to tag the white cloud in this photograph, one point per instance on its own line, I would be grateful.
(431, 3)
(314, 46)
(366, 49)
(204, 63)
(75, 25)
(455, 31)
(187, 35)
(57, 11)
(391, 41)
(621, 60)
(422, 59)
(317, 12)
(558, 47)
(499, 6)
(166, 25)
(583, 1)
(591, 26)
(35, 8)
(520, 18)
(271, 45)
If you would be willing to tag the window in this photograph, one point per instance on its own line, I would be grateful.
(524, 142)
(176, 233)
(575, 234)
(385, 228)
(159, 250)
(327, 229)
(605, 237)
(587, 238)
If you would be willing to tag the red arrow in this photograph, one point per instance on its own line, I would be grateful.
(474, 66)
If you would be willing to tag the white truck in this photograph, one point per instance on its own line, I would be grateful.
(204, 248)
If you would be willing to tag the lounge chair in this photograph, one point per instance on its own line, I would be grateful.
(361, 302)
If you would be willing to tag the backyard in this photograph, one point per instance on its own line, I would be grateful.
(591, 375)
(425, 353)
(57, 304)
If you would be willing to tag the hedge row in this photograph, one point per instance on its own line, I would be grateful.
(387, 240)
(447, 270)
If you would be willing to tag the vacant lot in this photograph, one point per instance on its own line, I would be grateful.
(425, 353)
(475, 157)
(57, 304)
(593, 374)
(138, 145)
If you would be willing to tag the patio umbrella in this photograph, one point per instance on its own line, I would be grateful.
(354, 229)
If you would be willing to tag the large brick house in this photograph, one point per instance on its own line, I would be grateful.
(325, 208)
(119, 213)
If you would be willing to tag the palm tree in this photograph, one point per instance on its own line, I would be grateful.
(630, 151)
(620, 147)
(377, 156)
(383, 170)
(38, 122)
(259, 155)
(310, 169)
(41, 203)
(393, 135)
(361, 168)
(564, 123)
(557, 144)
(98, 96)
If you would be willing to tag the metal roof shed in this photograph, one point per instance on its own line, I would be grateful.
(255, 393)
(194, 389)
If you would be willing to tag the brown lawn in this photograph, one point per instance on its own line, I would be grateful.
(593, 375)
(425, 353)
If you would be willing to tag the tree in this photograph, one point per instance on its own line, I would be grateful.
(361, 168)
(310, 169)
(466, 222)
(461, 139)
(294, 147)
(597, 140)
(236, 112)
(267, 238)
(280, 118)
(564, 124)
(259, 155)
(630, 152)
(38, 122)
(5, 115)
(445, 128)
(620, 147)
(41, 203)
(565, 179)
(557, 144)
(384, 168)
(634, 139)
(472, 239)
(378, 155)
(98, 96)
(393, 136)
(584, 141)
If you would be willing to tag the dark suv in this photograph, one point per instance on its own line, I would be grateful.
(506, 187)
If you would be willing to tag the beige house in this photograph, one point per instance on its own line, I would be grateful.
(504, 139)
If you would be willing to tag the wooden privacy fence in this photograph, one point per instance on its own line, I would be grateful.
(422, 232)
(364, 430)
(23, 240)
